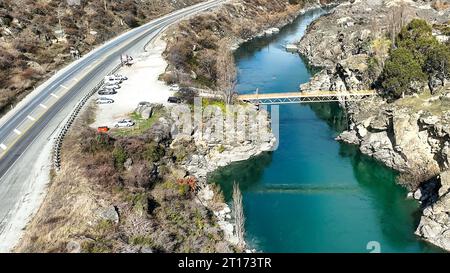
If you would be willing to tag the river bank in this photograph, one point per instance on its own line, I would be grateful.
(312, 182)
(194, 45)
(408, 135)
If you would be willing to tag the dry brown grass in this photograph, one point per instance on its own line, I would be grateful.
(163, 217)
(33, 40)
(68, 209)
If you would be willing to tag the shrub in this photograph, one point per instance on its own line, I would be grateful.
(187, 95)
(131, 21)
(92, 142)
(400, 71)
(6, 59)
(153, 152)
(437, 63)
(207, 39)
(26, 45)
(120, 156)
(181, 55)
(418, 38)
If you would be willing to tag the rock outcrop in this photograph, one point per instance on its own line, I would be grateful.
(203, 151)
(434, 224)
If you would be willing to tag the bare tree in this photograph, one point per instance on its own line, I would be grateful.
(239, 215)
(226, 69)
(397, 20)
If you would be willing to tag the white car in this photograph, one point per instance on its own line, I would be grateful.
(174, 87)
(124, 123)
(113, 81)
(111, 86)
(103, 100)
(120, 77)
(116, 77)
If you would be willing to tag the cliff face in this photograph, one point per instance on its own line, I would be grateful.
(344, 41)
(411, 134)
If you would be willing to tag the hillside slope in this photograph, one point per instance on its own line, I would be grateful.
(37, 37)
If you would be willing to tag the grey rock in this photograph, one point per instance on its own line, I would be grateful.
(223, 247)
(110, 214)
(73, 247)
(128, 164)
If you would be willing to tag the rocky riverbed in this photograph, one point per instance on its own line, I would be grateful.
(411, 134)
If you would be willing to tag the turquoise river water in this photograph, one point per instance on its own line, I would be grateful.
(313, 194)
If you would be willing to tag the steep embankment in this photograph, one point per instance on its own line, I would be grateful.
(39, 37)
(194, 46)
(410, 134)
(136, 191)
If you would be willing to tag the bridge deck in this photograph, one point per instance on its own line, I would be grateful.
(304, 97)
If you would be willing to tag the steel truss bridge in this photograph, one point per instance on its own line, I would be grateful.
(306, 97)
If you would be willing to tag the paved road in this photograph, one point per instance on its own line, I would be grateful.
(27, 129)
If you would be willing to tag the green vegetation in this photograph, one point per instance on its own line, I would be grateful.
(214, 102)
(141, 126)
(120, 156)
(400, 71)
(221, 148)
(417, 57)
(153, 152)
(141, 240)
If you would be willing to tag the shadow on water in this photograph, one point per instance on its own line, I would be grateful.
(247, 173)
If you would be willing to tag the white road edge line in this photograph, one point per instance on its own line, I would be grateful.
(43, 106)
(3, 146)
(54, 95)
(31, 118)
(17, 132)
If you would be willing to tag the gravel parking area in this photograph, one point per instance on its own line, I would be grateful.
(142, 85)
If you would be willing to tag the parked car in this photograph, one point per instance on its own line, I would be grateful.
(111, 82)
(111, 86)
(174, 87)
(174, 100)
(115, 77)
(124, 123)
(107, 92)
(104, 100)
(118, 76)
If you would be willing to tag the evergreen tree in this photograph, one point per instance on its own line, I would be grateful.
(400, 71)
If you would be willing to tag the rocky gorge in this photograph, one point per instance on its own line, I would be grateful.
(411, 134)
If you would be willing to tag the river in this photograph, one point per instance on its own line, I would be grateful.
(313, 194)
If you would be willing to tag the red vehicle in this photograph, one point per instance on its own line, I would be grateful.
(103, 129)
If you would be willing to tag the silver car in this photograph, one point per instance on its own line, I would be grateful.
(124, 123)
(111, 86)
(103, 100)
